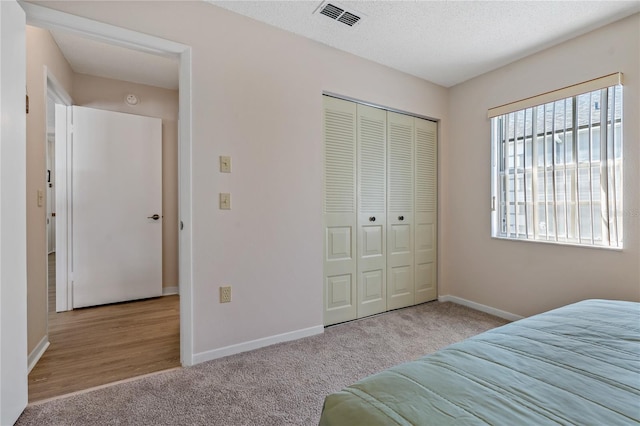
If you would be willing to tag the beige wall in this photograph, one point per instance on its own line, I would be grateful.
(520, 277)
(107, 94)
(41, 51)
(257, 96)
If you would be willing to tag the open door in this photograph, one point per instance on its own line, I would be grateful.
(116, 242)
(13, 234)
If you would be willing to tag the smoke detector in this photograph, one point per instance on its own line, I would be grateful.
(339, 13)
(131, 99)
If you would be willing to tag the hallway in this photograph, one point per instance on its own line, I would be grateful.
(95, 346)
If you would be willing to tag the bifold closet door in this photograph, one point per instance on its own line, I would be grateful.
(400, 196)
(426, 208)
(339, 210)
(371, 182)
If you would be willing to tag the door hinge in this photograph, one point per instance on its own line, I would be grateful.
(27, 102)
(493, 204)
(181, 225)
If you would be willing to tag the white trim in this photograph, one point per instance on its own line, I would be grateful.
(480, 307)
(60, 96)
(52, 19)
(256, 344)
(185, 240)
(37, 353)
(54, 87)
(168, 291)
(565, 92)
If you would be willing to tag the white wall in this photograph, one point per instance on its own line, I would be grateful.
(257, 97)
(520, 277)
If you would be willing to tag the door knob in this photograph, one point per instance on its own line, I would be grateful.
(154, 217)
(372, 219)
(400, 217)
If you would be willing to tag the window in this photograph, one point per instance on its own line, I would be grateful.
(557, 167)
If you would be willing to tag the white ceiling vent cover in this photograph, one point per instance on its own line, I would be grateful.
(339, 13)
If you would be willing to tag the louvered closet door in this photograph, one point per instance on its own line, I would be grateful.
(400, 175)
(426, 184)
(339, 210)
(371, 172)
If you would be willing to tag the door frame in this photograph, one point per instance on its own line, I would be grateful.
(60, 96)
(46, 18)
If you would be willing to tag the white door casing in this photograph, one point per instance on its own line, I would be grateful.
(339, 210)
(371, 177)
(400, 196)
(13, 234)
(117, 188)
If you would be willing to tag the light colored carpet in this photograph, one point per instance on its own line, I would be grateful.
(283, 384)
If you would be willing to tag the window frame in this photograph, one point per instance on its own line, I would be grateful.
(607, 163)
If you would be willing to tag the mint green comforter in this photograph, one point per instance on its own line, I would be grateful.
(579, 364)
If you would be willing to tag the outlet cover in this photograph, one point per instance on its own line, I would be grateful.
(225, 294)
(225, 164)
(225, 201)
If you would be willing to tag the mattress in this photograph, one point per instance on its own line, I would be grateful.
(579, 364)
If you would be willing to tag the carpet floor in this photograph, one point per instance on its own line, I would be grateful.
(283, 384)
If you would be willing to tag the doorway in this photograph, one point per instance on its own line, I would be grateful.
(44, 18)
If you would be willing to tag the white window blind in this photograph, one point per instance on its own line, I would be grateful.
(557, 166)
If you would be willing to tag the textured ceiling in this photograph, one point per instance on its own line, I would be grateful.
(445, 42)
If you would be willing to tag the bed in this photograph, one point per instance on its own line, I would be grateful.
(579, 364)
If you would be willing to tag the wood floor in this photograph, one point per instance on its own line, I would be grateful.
(95, 346)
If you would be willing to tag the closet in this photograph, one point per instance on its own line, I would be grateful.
(380, 205)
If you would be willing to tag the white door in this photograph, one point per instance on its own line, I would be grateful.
(339, 210)
(426, 210)
(372, 215)
(13, 234)
(116, 207)
(400, 139)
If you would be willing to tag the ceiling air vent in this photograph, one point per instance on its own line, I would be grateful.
(338, 13)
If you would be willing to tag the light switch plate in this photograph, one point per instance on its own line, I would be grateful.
(225, 201)
(225, 164)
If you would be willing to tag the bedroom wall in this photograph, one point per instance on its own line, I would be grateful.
(257, 97)
(108, 94)
(42, 51)
(521, 277)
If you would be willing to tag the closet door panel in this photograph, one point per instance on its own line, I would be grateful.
(339, 210)
(371, 178)
(426, 208)
(400, 205)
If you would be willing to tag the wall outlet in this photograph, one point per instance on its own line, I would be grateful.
(225, 294)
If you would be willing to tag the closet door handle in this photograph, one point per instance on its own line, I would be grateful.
(400, 217)
(372, 219)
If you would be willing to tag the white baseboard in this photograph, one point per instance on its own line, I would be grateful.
(37, 352)
(168, 291)
(256, 344)
(480, 307)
